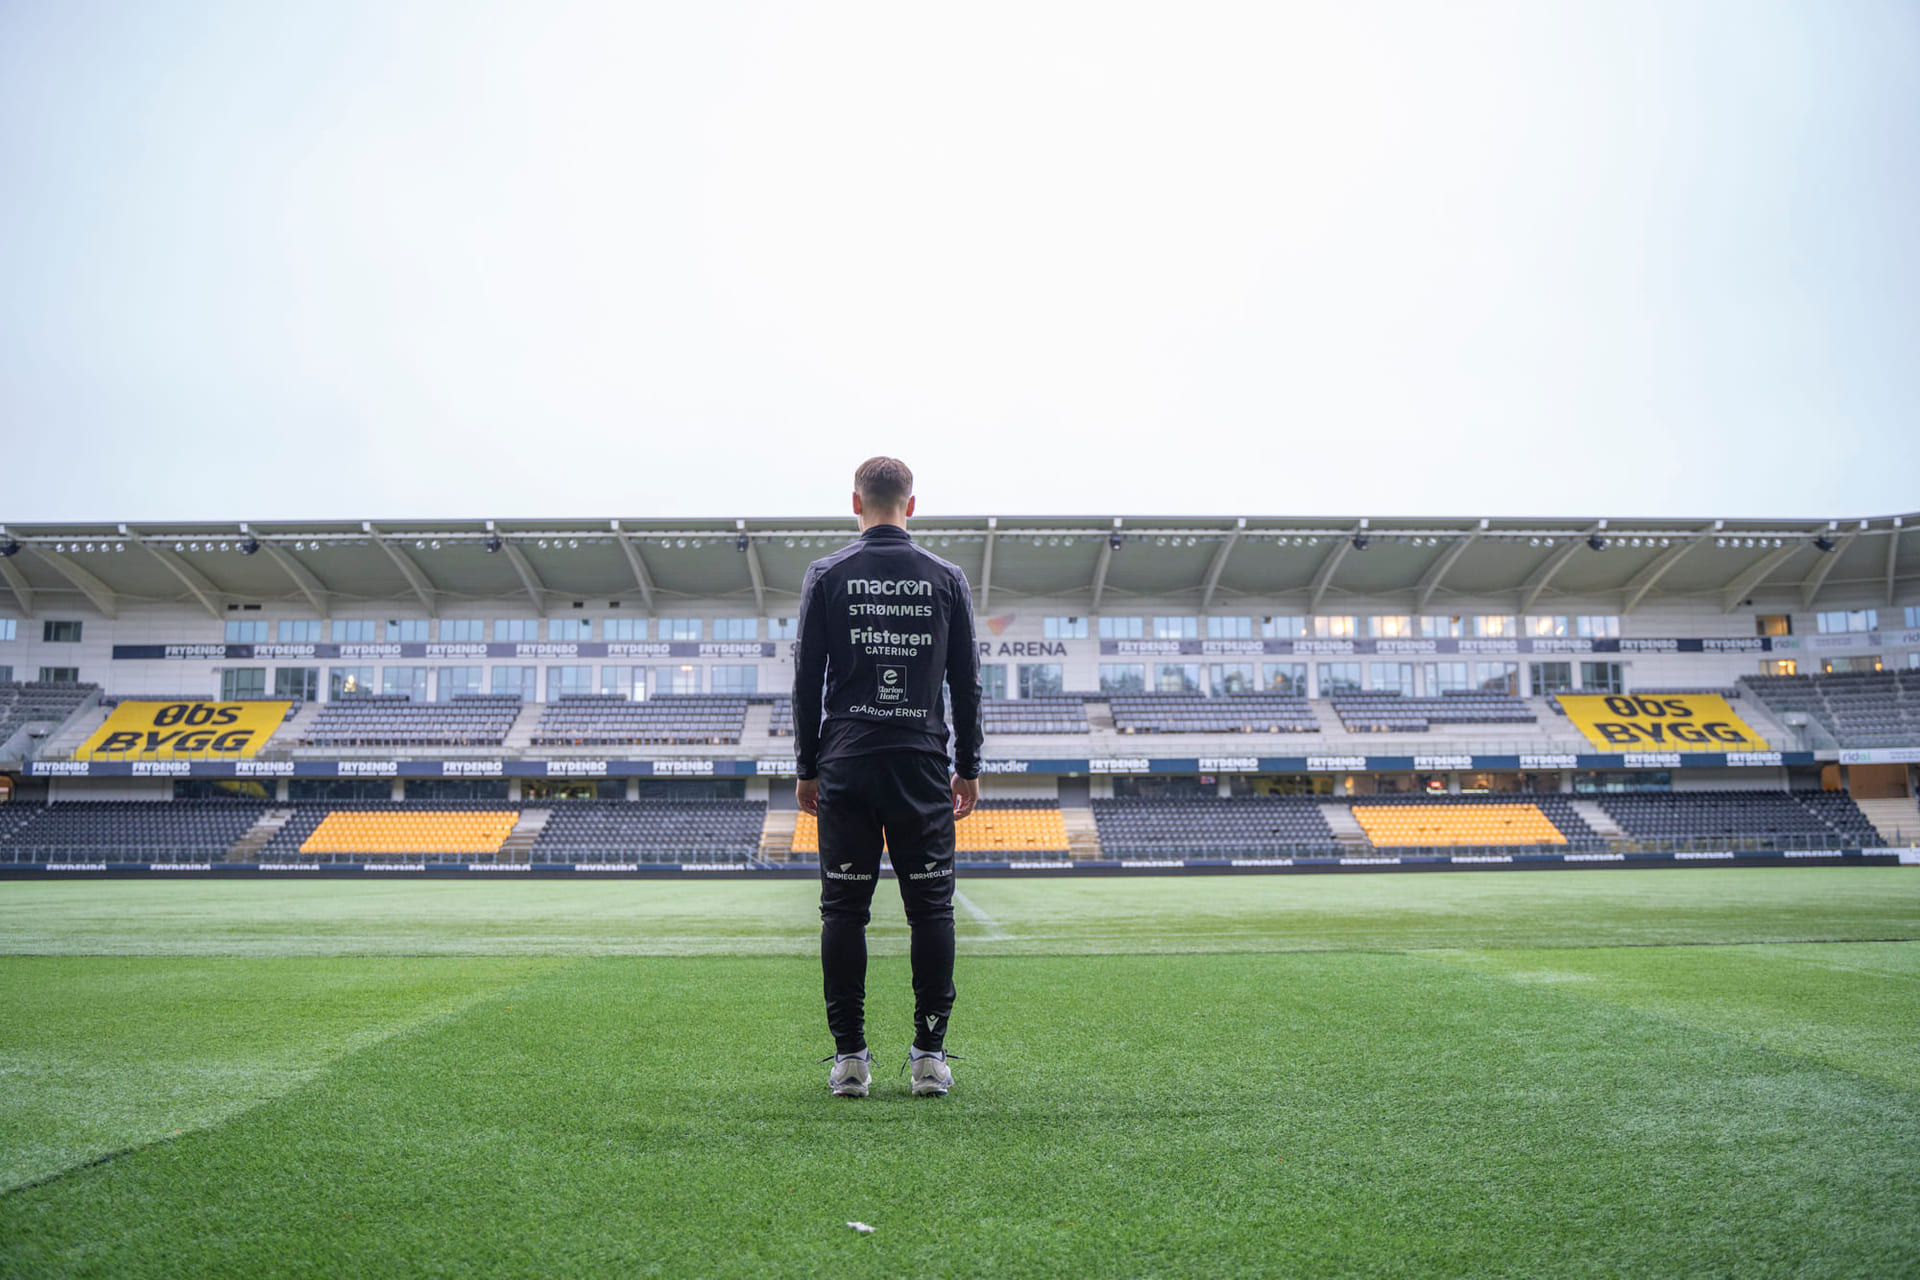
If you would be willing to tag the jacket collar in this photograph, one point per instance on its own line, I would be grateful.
(887, 533)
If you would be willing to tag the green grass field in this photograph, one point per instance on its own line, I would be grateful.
(1712, 1072)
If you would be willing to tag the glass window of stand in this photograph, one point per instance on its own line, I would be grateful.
(573, 789)
(1619, 781)
(1171, 787)
(1382, 784)
(1279, 784)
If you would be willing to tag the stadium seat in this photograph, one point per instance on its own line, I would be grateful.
(1193, 713)
(1794, 817)
(125, 830)
(470, 720)
(588, 831)
(1398, 713)
(1208, 826)
(25, 702)
(1859, 709)
(1038, 715)
(608, 720)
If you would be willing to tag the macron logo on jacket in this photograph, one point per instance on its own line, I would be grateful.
(889, 587)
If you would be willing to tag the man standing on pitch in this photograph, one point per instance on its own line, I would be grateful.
(883, 623)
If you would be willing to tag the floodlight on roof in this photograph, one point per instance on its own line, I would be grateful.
(1824, 542)
(1597, 541)
(1113, 541)
(251, 546)
(494, 545)
(1360, 540)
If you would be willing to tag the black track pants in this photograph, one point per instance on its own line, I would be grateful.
(905, 799)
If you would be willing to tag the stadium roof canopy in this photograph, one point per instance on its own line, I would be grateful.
(1210, 564)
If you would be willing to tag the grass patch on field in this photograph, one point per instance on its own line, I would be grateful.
(101, 1054)
(1374, 1080)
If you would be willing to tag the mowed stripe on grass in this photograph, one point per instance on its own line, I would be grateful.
(100, 1054)
(1097, 915)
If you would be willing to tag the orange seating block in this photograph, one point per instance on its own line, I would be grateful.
(424, 832)
(982, 831)
(1394, 825)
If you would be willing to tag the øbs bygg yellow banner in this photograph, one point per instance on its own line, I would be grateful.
(1662, 722)
(185, 730)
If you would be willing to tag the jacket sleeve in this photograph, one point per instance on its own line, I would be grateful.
(963, 681)
(809, 676)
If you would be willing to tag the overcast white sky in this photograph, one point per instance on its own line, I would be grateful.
(454, 259)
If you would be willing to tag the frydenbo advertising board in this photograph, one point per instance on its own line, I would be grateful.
(1660, 722)
(184, 731)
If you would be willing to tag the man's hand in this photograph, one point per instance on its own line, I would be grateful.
(966, 794)
(807, 791)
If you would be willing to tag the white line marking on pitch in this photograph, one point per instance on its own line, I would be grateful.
(994, 932)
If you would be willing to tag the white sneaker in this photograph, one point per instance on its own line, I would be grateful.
(931, 1074)
(852, 1074)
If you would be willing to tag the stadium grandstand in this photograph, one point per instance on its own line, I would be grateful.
(345, 697)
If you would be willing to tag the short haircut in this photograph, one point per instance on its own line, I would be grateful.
(885, 483)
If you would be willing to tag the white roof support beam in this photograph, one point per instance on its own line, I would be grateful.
(429, 596)
(1643, 581)
(1218, 563)
(1323, 576)
(17, 583)
(642, 577)
(756, 572)
(1893, 550)
(318, 594)
(536, 589)
(1754, 574)
(1538, 580)
(1810, 585)
(1101, 564)
(196, 582)
(98, 593)
(1437, 571)
(986, 566)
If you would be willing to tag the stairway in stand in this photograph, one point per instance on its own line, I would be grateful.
(1602, 823)
(294, 728)
(776, 837)
(1346, 828)
(519, 738)
(247, 848)
(518, 846)
(1083, 837)
(1897, 821)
